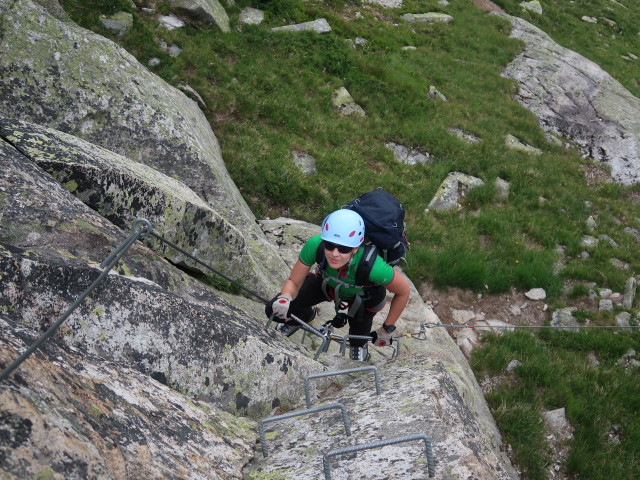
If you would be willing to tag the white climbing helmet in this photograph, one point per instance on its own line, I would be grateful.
(343, 227)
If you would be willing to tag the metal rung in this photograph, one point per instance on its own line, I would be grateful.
(340, 372)
(263, 439)
(304, 325)
(328, 335)
(396, 347)
(343, 346)
(382, 443)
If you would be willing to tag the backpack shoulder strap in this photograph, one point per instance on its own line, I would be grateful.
(366, 264)
(320, 258)
(364, 267)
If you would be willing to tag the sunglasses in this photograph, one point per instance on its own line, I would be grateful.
(341, 248)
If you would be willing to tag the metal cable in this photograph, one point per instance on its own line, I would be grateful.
(230, 280)
(107, 264)
(421, 335)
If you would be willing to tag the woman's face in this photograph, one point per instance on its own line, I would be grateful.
(335, 257)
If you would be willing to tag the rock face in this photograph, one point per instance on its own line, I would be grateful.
(428, 389)
(154, 374)
(215, 353)
(418, 396)
(84, 85)
(122, 190)
(81, 417)
(146, 313)
(575, 98)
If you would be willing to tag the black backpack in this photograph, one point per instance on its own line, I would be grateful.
(384, 228)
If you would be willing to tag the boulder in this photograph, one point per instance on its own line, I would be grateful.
(122, 190)
(119, 23)
(622, 319)
(69, 415)
(430, 17)
(80, 83)
(629, 292)
(574, 98)
(145, 313)
(434, 94)
(319, 26)
(170, 22)
(605, 304)
(514, 143)
(563, 318)
(533, 6)
(451, 191)
(305, 162)
(344, 102)
(386, 3)
(250, 16)
(206, 11)
(410, 156)
(465, 136)
(536, 294)
(359, 42)
(502, 188)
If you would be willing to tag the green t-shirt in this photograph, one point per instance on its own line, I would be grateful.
(381, 273)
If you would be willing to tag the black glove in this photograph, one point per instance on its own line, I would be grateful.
(340, 320)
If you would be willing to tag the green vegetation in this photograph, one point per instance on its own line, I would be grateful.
(601, 402)
(268, 94)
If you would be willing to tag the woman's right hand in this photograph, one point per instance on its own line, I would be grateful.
(280, 307)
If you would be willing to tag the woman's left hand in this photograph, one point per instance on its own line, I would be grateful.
(381, 338)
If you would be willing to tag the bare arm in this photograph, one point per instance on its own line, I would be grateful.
(298, 273)
(400, 288)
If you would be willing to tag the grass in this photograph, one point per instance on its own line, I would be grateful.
(601, 402)
(268, 94)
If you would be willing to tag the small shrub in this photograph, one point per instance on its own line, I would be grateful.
(287, 10)
(581, 316)
(164, 8)
(480, 196)
(578, 290)
(109, 7)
